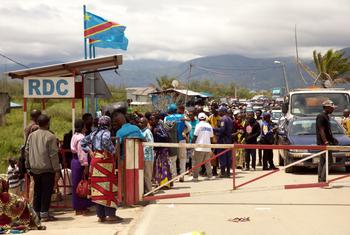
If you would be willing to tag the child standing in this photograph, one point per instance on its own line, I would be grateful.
(13, 177)
(148, 154)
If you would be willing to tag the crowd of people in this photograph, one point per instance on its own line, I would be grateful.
(96, 144)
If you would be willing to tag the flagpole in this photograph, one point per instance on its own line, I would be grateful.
(85, 57)
(94, 56)
(85, 40)
(90, 51)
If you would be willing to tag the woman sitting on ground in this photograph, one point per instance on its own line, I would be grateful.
(15, 213)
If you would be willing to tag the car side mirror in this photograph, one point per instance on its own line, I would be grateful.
(285, 108)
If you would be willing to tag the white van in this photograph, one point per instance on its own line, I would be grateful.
(308, 102)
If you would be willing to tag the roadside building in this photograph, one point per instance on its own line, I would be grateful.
(162, 99)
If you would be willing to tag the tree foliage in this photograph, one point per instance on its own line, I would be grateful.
(332, 67)
(164, 82)
(220, 89)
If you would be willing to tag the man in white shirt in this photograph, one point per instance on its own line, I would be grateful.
(202, 135)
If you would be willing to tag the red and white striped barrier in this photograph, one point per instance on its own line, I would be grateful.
(133, 168)
(281, 169)
(134, 176)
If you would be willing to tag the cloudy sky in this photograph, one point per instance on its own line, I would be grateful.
(39, 30)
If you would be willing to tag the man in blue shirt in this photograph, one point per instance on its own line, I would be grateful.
(126, 130)
(193, 122)
(179, 118)
(224, 136)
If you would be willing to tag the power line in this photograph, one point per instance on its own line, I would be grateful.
(235, 67)
(219, 72)
(14, 61)
(181, 74)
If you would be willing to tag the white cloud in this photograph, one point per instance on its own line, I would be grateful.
(39, 30)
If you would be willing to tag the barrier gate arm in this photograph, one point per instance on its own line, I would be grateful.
(188, 171)
(282, 168)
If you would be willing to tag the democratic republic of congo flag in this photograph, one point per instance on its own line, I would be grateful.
(110, 43)
(100, 29)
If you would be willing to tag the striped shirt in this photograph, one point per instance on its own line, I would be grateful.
(12, 176)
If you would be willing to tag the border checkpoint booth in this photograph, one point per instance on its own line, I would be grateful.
(71, 80)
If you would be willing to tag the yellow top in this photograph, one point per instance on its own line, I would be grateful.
(346, 125)
(213, 120)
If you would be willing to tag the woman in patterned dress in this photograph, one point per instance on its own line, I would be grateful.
(103, 179)
(162, 167)
(16, 214)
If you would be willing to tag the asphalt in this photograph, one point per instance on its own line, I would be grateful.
(262, 207)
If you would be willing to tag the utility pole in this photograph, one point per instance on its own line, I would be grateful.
(284, 73)
(188, 84)
(285, 77)
(297, 54)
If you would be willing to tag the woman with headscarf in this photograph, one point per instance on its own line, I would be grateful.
(162, 166)
(16, 214)
(79, 167)
(103, 180)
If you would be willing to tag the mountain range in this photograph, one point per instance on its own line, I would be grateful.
(252, 73)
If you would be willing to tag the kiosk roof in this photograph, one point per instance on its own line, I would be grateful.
(70, 68)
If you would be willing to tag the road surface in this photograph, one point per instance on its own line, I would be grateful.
(214, 208)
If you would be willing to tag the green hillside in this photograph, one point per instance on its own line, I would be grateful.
(60, 111)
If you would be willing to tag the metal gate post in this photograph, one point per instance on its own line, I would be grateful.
(129, 174)
(133, 177)
(234, 167)
(140, 171)
(327, 168)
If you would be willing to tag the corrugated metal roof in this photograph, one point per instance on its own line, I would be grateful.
(188, 92)
(67, 69)
(141, 90)
(184, 92)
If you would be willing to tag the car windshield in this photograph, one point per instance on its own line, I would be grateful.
(311, 104)
(308, 127)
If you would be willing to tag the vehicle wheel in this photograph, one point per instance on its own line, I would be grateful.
(280, 160)
(347, 168)
(287, 162)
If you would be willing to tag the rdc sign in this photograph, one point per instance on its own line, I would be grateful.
(48, 87)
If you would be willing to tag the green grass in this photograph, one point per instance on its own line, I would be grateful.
(60, 111)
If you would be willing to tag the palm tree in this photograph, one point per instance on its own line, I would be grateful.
(331, 68)
(164, 82)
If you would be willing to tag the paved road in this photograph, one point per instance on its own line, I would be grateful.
(70, 224)
(271, 210)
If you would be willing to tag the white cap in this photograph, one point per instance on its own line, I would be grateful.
(236, 112)
(328, 103)
(202, 116)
